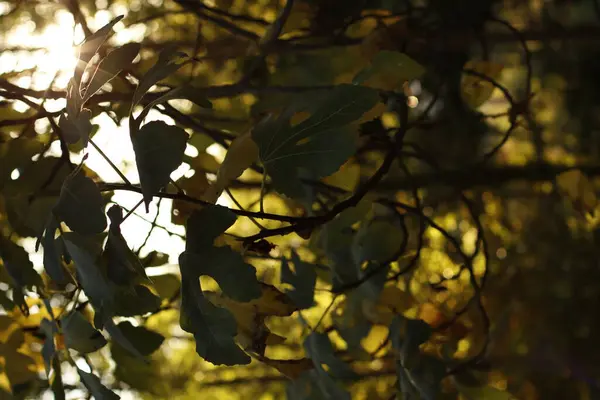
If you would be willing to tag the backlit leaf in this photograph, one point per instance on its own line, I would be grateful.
(388, 70)
(52, 253)
(476, 90)
(158, 152)
(76, 128)
(485, 392)
(110, 66)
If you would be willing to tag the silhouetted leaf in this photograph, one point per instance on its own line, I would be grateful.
(81, 204)
(376, 240)
(52, 253)
(144, 340)
(165, 66)
(110, 66)
(167, 286)
(49, 329)
(318, 145)
(76, 128)
(213, 327)
(321, 351)
(123, 267)
(205, 225)
(92, 279)
(96, 388)
(136, 300)
(303, 279)
(158, 152)
(80, 335)
(123, 339)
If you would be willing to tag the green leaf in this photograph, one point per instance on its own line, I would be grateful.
(484, 392)
(389, 70)
(81, 204)
(48, 349)
(110, 66)
(144, 340)
(123, 266)
(377, 240)
(321, 351)
(96, 388)
(123, 340)
(165, 66)
(417, 373)
(17, 264)
(158, 151)
(75, 128)
(240, 155)
(92, 279)
(303, 279)
(52, 254)
(80, 335)
(312, 386)
(317, 146)
(205, 225)
(214, 328)
(138, 300)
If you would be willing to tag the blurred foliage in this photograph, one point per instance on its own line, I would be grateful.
(379, 199)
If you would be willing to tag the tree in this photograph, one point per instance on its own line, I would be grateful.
(381, 199)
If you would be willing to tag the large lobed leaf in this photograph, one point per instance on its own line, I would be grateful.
(317, 146)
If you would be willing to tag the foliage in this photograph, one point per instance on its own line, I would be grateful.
(342, 199)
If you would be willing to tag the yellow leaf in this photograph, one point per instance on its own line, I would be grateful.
(241, 154)
(347, 177)
(579, 189)
(290, 368)
(475, 90)
(253, 334)
(195, 186)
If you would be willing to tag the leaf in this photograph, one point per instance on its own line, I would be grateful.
(80, 335)
(167, 286)
(321, 351)
(317, 146)
(89, 47)
(121, 338)
(158, 151)
(91, 277)
(48, 349)
(213, 327)
(96, 388)
(377, 240)
(250, 316)
(292, 369)
(76, 128)
(485, 392)
(17, 264)
(475, 90)
(240, 155)
(388, 70)
(303, 279)
(235, 277)
(138, 300)
(165, 66)
(205, 225)
(144, 340)
(417, 373)
(110, 66)
(18, 367)
(80, 205)
(195, 186)
(123, 266)
(579, 189)
(52, 254)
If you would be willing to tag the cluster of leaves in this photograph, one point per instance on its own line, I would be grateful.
(332, 150)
